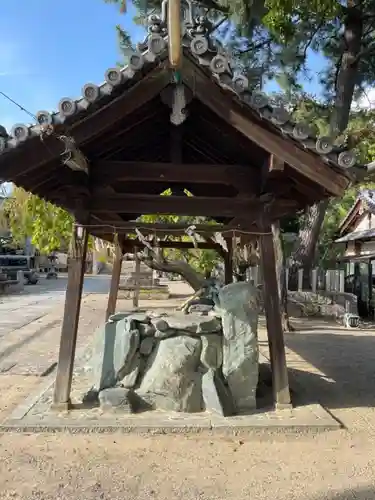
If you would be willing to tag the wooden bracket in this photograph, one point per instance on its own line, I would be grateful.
(72, 156)
(275, 164)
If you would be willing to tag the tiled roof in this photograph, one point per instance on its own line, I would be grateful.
(206, 52)
(357, 235)
(368, 198)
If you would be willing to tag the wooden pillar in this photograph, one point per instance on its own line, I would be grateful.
(228, 262)
(137, 278)
(280, 383)
(76, 271)
(115, 281)
(370, 306)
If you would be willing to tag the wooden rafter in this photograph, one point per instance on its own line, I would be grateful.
(230, 111)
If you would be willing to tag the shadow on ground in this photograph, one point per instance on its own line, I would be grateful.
(358, 494)
(347, 361)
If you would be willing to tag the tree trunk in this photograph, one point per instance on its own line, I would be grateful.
(347, 75)
(156, 261)
(304, 255)
(347, 71)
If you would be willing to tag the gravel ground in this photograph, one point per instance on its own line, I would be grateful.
(327, 466)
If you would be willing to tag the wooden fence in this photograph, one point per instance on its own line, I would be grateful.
(330, 280)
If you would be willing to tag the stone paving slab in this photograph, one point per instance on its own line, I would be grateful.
(35, 415)
(297, 421)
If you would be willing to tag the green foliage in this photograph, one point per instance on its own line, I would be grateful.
(284, 17)
(49, 226)
(125, 45)
(120, 3)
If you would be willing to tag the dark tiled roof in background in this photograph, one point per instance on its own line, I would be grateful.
(357, 235)
(368, 198)
(207, 54)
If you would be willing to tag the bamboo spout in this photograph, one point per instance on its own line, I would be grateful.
(174, 32)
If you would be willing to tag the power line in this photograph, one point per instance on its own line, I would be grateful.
(18, 105)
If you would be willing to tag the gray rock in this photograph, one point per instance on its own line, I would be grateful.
(212, 350)
(130, 380)
(146, 330)
(164, 334)
(239, 303)
(115, 398)
(202, 309)
(147, 345)
(172, 380)
(125, 349)
(216, 396)
(192, 323)
(113, 353)
(159, 313)
(160, 324)
(117, 316)
(140, 317)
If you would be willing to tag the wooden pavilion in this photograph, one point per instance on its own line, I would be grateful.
(357, 233)
(193, 124)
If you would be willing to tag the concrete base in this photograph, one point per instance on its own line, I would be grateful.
(35, 415)
(312, 419)
(283, 406)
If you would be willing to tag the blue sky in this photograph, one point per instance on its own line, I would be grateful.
(50, 49)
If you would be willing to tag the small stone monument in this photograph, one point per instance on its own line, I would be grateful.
(149, 286)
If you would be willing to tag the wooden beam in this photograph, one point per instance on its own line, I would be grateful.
(175, 153)
(76, 271)
(178, 205)
(108, 171)
(370, 290)
(228, 262)
(137, 270)
(245, 121)
(115, 281)
(203, 245)
(270, 170)
(280, 383)
(178, 228)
